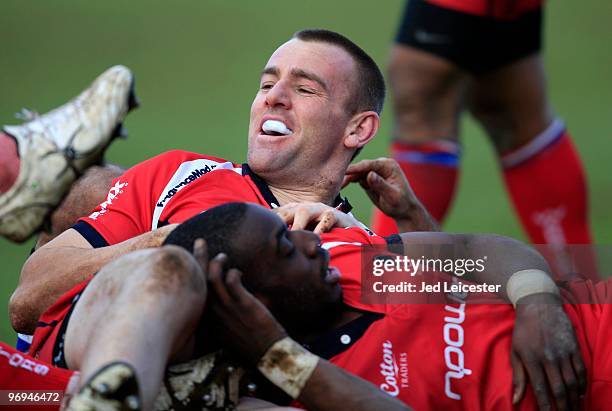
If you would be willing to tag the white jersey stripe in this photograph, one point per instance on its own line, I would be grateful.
(185, 174)
(333, 244)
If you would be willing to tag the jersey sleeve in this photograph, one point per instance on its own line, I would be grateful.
(129, 205)
(346, 247)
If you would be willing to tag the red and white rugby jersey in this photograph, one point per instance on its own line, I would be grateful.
(172, 188)
(446, 356)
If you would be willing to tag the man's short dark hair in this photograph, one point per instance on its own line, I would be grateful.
(218, 227)
(221, 228)
(369, 93)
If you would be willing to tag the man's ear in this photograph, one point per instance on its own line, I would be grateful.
(361, 129)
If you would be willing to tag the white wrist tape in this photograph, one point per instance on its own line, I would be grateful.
(528, 282)
(288, 365)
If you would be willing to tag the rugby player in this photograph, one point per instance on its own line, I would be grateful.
(140, 313)
(309, 118)
(431, 356)
(485, 56)
(165, 288)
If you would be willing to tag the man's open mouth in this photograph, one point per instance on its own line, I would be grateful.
(275, 128)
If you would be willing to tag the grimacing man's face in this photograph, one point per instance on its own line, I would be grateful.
(299, 115)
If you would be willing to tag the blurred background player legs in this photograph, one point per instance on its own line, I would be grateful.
(485, 57)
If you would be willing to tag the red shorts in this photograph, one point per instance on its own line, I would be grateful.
(47, 343)
(499, 9)
(473, 34)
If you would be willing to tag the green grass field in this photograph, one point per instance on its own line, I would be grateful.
(197, 65)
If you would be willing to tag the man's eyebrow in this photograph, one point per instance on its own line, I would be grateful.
(299, 73)
(310, 76)
(270, 70)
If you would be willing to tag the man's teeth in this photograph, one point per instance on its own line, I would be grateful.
(275, 126)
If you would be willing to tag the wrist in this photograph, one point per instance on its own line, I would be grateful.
(288, 365)
(539, 298)
(530, 283)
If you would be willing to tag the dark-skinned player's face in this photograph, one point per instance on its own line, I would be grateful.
(289, 271)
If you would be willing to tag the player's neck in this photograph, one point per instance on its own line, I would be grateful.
(322, 193)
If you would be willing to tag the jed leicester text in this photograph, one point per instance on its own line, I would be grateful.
(442, 286)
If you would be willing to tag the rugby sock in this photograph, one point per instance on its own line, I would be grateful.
(547, 185)
(432, 170)
(9, 162)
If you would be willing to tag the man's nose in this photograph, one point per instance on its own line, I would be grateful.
(278, 96)
(313, 242)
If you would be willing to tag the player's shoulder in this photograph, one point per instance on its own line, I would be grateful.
(180, 156)
(175, 161)
(357, 236)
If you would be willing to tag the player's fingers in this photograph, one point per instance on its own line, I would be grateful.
(328, 221)
(350, 178)
(538, 383)
(233, 280)
(360, 167)
(215, 277)
(285, 215)
(377, 183)
(302, 217)
(519, 379)
(570, 381)
(556, 385)
(580, 372)
(200, 252)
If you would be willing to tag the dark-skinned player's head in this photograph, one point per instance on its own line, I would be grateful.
(287, 270)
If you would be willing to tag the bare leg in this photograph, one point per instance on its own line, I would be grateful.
(511, 103)
(9, 162)
(427, 96)
(143, 309)
(542, 169)
(84, 195)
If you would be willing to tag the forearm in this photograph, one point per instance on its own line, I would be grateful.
(494, 259)
(332, 388)
(504, 257)
(418, 219)
(318, 384)
(53, 270)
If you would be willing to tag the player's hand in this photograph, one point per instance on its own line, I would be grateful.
(156, 238)
(242, 322)
(389, 190)
(544, 349)
(301, 216)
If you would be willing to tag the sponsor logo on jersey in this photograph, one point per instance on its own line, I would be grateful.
(112, 195)
(185, 174)
(395, 377)
(454, 337)
(195, 174)
(19, 361)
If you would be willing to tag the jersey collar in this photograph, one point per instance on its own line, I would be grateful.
(342, 338)
(340, 203)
